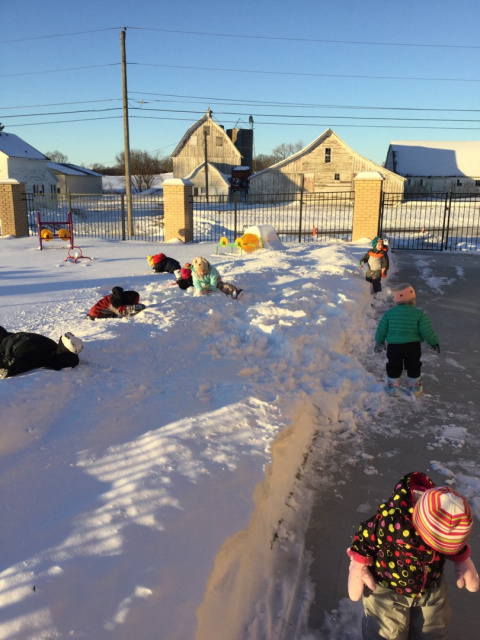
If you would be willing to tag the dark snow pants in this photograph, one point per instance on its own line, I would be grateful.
(404, 356)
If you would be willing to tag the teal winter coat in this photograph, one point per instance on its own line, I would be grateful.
(207, 281)
(405, 323)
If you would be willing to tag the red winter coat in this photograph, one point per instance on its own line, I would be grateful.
(120, 304)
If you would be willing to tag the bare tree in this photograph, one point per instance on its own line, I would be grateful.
(285, 150)
(57, 156)
(144, 167)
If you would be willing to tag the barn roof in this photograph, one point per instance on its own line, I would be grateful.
(328, 133)
(212, 168)
(14, 147)
(207, 118)
(435, 158)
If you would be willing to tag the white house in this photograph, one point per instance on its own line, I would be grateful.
(73, 179)
(20, 161)
(436, 166)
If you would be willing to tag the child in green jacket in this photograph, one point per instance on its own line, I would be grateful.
(404, 327)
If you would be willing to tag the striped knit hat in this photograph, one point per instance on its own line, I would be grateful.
(443, 519)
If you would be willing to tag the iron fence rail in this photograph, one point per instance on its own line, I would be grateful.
(434, 222)
(100, 216)
(302, 217)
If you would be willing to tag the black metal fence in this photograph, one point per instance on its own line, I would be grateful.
(302, 217)
(100, 216)
(435, 222)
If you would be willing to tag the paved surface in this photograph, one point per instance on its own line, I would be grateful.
(448, 289)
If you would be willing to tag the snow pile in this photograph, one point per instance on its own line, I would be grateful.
(164, 474)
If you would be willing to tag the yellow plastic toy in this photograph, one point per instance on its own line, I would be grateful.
(250, 242)
(47, 234)
(63, 234)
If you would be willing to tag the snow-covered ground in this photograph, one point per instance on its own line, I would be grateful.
(162, 489)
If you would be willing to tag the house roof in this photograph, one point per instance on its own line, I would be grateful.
(435, 158)
(71, 169)
(14, 147)
(207, 118)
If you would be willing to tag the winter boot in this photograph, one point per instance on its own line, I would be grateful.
(392, 386)
(178, 274)
(237, 294)
(415, 386)
(4, 373)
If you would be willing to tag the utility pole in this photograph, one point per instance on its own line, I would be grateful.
(205, 134)
(126, 137)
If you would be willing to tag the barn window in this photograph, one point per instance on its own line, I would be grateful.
(194, 141)
(219, 141)
(328, 154)
(38, 188)
(459, 183)
(420, 182)
(477, 183)
(337, 176)
(206, 130)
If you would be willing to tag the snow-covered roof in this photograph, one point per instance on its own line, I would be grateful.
(71, 169)
(435, 158)
(14, 147)
(212, 168)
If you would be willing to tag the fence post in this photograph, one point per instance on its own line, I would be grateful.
(13, 208)
(300, 217)
(178, 209)
(122, 206)
(235, 199)
(366, 210)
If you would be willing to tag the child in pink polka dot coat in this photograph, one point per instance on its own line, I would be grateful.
(397, 559)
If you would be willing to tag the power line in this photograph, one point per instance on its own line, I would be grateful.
(302, 74)
(209, 34)
(59, 35)
(34, 73)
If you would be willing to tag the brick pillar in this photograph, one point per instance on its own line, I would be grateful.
(366, 211)
(13, 208)
(178, 209)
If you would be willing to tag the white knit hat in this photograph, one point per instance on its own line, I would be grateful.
(71, 342)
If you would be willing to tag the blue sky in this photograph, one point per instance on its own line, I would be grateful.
(373, 72)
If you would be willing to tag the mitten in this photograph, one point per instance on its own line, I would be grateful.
(436, 348)
(378, 347)
(467, 575)
(360, 264)
(358, 577)
(384, 273)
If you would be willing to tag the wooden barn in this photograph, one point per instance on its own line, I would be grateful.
(436, 167)
(206, 142)
(327, 164)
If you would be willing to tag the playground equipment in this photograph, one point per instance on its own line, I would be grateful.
(50, 229)
(250, 242)
(78, 255)
(223, 242)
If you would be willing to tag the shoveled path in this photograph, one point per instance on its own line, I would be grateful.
(410, 438)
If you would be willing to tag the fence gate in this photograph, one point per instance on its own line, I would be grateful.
(434, 222)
